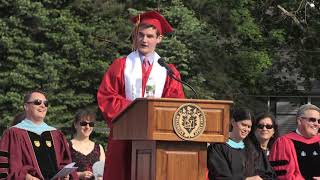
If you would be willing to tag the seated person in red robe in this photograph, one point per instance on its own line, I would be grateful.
(127, 79)
(32, 149)
(296, 155)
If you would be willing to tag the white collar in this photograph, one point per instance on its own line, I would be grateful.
(151, 57)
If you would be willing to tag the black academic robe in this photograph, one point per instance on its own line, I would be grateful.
(225, 162)
(18, 155)
(257, 162)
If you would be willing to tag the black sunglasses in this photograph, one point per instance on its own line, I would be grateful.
(311, 119)
(268, 126)
(38, 102)
(84, 123)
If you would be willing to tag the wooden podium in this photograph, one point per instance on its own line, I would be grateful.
(158, 153)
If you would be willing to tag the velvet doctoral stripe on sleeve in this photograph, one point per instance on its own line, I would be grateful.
(19, 154)
(20, 157)
(284, 159)
(296, 157)
(4, 163)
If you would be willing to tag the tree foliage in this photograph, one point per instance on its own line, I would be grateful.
(55, 46)
(224, 49)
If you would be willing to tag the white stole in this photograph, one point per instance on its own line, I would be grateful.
(133, 76)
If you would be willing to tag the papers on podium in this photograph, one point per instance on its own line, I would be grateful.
(65, 171)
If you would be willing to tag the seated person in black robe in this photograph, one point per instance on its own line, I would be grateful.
(257, 144)
(228, 160)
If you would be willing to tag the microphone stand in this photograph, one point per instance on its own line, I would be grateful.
(170, 73)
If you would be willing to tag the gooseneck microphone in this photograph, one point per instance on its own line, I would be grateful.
(170, 73)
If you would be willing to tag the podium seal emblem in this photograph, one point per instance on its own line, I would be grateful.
(189, 121)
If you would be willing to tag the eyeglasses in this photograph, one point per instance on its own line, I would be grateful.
(268, 126)
(84, 123)
(38, 102)
(311, 119)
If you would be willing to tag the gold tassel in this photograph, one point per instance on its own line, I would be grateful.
(135, 34)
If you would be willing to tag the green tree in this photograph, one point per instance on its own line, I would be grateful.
(56, 46)
(224, 49)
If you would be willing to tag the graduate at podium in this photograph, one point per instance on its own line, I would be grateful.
(137, 75)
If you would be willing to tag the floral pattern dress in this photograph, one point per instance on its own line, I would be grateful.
(85, 162)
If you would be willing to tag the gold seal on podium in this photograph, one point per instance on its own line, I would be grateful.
(189, 121)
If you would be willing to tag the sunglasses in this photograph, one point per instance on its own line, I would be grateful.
(311, 119)
(38, 102)
(84, 123)
(268, 126)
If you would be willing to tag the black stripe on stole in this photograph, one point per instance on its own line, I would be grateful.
(4, 154)
(3, 175)
(4, 165)
(281, 172)
(279, 163)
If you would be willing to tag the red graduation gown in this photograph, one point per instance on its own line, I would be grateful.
(111, 100)
(284, 150)
(17, 157)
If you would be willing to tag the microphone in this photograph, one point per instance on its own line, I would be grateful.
(165, 65)
(170, 73)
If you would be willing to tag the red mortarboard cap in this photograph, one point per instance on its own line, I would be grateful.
(153, 18)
